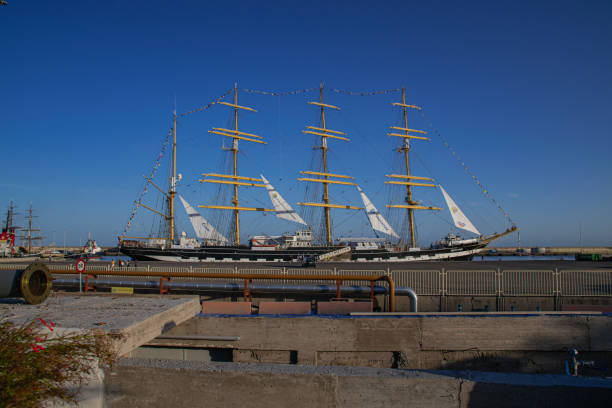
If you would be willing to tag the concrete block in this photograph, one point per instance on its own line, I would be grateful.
(389, 335)
(158, 352)
(542, 333)
(509, 342)
(137, 318)
(494, 361)
(341, 308)
(265, 356)
(377, 359)
(196, 355)
(587, 308)
(600, 330)
(397, 392)
(136, 383)
(232, 308)
(293, 308)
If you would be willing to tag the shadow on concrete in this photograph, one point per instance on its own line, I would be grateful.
(12, 301)
(502, 396)
(486, 389)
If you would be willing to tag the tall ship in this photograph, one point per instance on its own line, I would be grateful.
(211, 245)
(8, 234)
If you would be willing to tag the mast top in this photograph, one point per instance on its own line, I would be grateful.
(407, 133)
(324, 176)
(234, 179)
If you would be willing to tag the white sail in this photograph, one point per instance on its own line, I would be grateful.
(460, 219)
(283, 210)
(203, 229)
(377, 221)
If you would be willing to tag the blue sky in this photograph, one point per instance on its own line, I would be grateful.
(521, 90)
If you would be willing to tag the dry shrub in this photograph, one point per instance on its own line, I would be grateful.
(37, 367)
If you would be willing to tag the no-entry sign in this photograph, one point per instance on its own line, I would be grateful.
(80, 265)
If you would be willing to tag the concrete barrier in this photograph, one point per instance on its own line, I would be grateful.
(516, 342)
(294, 308)
(232, 308)
(339, 308)
(159, 383)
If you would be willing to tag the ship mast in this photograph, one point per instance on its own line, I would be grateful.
(405, 149)
(235, 179)
(172, 189)
(169, 195)
(10, 228)
(27, 236)
(325, 134)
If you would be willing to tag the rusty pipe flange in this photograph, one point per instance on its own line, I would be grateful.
(35, 283)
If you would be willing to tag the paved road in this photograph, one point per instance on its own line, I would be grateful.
(427, 265)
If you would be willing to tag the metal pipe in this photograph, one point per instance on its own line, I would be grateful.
(260, 288)
(414, 302)
(233, 275)
(230, 286)
(33, 284)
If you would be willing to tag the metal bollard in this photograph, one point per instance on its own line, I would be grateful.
(33, 284)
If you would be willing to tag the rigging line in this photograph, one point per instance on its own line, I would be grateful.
(443, 219)
(372, 146)
(278, 93)
(366, 93)
(208, 105)
(345, 219)
(151, 176)
(462, 204)
(280, 134)
(467, 170)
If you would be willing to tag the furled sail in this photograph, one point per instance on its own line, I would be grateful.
(461, 221)
(203, 229)
(283, 210)
(377, 221)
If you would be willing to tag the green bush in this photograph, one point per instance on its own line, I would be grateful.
(35, 367)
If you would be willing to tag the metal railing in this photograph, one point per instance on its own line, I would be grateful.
(585, 283)
(428, 282)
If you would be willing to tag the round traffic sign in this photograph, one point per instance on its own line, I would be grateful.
(80, 265)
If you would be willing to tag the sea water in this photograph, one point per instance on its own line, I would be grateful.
(524, 258)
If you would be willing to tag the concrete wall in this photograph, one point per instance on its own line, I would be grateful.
(535, 343)
(495, 304)
(149, 383)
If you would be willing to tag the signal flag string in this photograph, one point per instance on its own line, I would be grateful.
(206, 106)
(367, 93)
(336, 90)
(151, 175)
(278, 93)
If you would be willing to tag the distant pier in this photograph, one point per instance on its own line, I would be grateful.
(544, 251)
